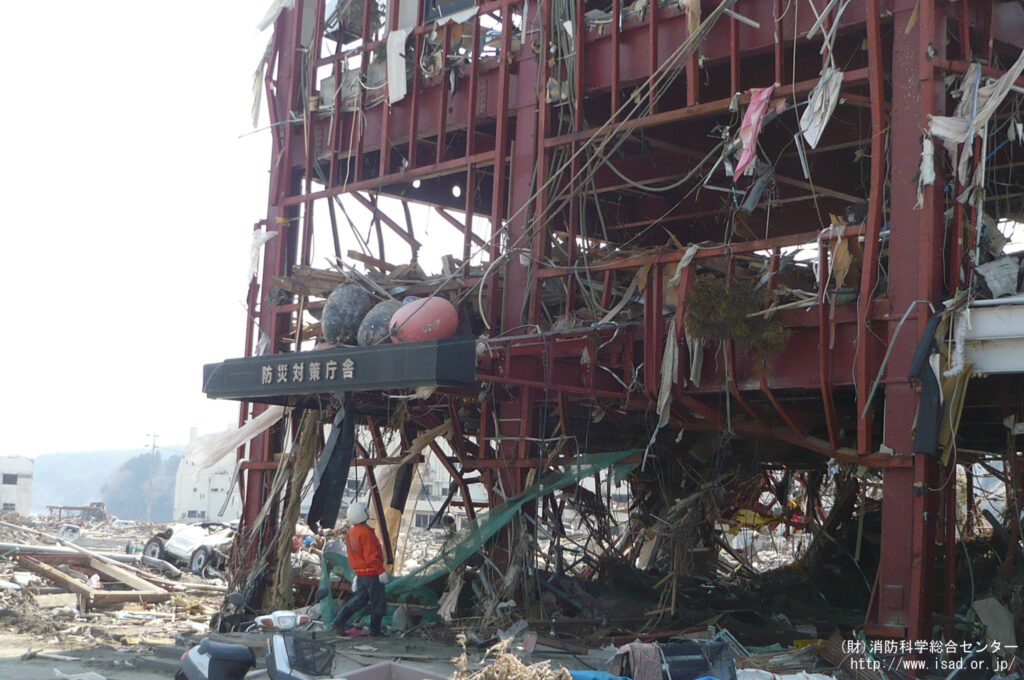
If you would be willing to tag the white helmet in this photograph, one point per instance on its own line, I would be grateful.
(356, 513)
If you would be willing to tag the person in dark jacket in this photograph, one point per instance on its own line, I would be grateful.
(366, 557)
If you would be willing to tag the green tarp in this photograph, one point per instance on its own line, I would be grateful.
(487, 527)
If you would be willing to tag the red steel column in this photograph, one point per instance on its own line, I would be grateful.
(902, 603)
(516, 275)
(867, 351)
(278, 255)
(515, 417)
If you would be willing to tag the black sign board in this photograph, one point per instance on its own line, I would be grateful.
(445, 363)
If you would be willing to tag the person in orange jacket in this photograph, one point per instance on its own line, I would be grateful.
(366, 557)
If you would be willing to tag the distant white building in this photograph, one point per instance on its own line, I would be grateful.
(199, 498)
(16, 489)
(427, 493)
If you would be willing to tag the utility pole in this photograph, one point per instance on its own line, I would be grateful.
(152, 458)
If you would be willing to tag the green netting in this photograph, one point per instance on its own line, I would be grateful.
(486, 527)
(621, 472)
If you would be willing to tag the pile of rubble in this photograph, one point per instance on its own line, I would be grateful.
(106, 534)
(71, 596)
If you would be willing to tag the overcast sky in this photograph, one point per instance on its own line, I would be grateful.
(129, 195)
(129, 201)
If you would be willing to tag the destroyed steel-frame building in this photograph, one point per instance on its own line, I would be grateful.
(756, 246)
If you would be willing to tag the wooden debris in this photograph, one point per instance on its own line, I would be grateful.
(123, 567)
(52, 656)
(504, 665)
(391, 655)
(786, 662)
(149, 641)
(137, 589)
(56, 600)
(372, 261)
(553, 645)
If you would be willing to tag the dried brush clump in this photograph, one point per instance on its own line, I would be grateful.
(717, 311)
(500, 664)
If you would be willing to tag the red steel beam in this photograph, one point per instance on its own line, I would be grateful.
(394, 226)
(873, 228)
(739, 247)
(902, 599)
(786, 416)
(456, 477)
(465, 230)
(616, 37)
(378, 506)
(471, 104)
(852, 77)
(442, 130)
(824, 346)
(500, 188)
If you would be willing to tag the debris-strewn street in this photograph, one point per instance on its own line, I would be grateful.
(71, 609)
(62, 611)
(583, 340)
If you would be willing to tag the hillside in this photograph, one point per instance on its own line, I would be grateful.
(129, 488)
(76, 478)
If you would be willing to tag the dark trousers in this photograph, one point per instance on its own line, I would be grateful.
(370, 590)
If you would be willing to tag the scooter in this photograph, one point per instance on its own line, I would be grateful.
(292, 653)
(295, 654)
(210, 660)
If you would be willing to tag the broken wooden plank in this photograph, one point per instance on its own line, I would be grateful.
(140, 590)
(137, 584)
(532, 640)
(106, 560)
(372, 261)
(54, 600)
(460, 226)
(49, 656)
(310, 281)
(57, 576)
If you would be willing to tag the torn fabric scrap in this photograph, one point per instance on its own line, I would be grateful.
(695, 346)
(668, 374)
(259, 238)
(669, 371)
(926, 177)
(760, 97)
(977, 106)
(692, 15)
(683, 263)
(397, 87)
(820, 105)
(257, 83)
(210, 448)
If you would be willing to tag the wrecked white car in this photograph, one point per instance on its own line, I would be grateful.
(196, 546)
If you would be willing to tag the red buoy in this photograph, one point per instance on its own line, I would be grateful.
(426, 319)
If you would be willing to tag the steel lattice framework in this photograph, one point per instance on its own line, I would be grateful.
(582, 143)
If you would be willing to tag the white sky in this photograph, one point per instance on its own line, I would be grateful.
(129, 201)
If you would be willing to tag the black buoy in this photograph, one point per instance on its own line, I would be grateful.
(344, 311)
(374, 328)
